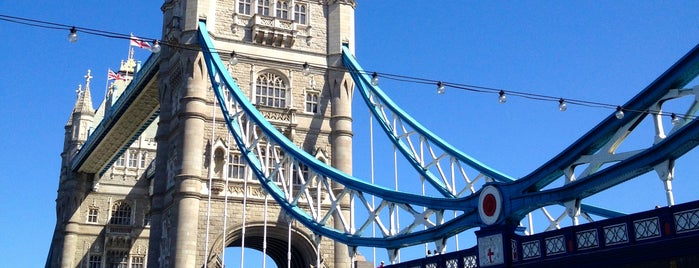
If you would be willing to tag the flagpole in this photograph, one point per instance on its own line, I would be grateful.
(106, 87)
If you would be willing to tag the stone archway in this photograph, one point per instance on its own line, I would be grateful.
(303, 251)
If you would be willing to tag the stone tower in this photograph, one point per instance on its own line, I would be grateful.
(103, 220)
(272, 39)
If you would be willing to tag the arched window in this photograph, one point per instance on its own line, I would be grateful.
(300, 13)
(121, 213)
(236, 167)
(263, 7)
(270, 90)
(121, 161)
(144, 159)
(133, 158)
(311, 102)
(244, 6)
(283, 9)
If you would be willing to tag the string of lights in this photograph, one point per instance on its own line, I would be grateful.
(235, 58)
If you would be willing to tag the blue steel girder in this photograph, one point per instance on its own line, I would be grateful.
(378, 102)
(520, 196)
(677, 76)
(250, 130)
(669, 149)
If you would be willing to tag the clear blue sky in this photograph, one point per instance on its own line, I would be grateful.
(596, 51)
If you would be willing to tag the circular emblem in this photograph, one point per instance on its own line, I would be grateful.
(489, 204)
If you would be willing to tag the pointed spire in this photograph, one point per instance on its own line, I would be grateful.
(84, 102)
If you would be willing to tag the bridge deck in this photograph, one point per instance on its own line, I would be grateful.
(133, 112)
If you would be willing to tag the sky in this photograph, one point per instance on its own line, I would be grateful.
(588, 50)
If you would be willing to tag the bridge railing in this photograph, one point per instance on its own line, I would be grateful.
(661, 223)
(631, 231)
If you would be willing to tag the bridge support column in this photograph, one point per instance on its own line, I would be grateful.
(666, 172)
(341, 142)
(69, 243)
(497, 246)
(188, 184)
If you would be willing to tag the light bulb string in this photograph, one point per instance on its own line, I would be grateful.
(389, 76)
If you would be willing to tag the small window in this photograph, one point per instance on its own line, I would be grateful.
(95, 261)
(121, 161)
(137, 262)
(144, 159)
(236, 167)
(304, 173)
(263, 7)
(118, 259)
(283, 10)
(312, 102)
(121, 214)
(270, 91)
(92, 215)
(133, 158)
(300, 13)
(244, 6)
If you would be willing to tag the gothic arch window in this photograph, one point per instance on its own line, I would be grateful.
(236, 166)
(144, 159)
(121, 161)
(121, 213)
(263, 7)
(300, 13)
(312, 98)
(270, 90)
(283, 9)
(92, 214)
(133, 158)
(244, 6)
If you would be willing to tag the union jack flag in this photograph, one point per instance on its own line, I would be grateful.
(111, 75)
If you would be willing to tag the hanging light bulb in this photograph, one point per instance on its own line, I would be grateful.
(562, 106)
(156, 47)
(440, 88)
(674, 119)
(619, 112)
(306, 68)
(374, 79)
(502, 98)
(73, 35)
(234, 59)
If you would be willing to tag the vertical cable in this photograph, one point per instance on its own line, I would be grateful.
(371, 160)
(225, 199)
(245, 204)
(422, 184)
(264, 236)
(395, 178)
(291, 219)
(453, 191)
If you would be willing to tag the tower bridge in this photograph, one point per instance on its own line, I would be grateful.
(252, 148)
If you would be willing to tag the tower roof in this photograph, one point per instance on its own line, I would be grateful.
(84, 102)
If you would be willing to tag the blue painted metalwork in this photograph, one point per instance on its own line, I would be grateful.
(520, 197)
(677, 76)
(367, 90)
(465, 221)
